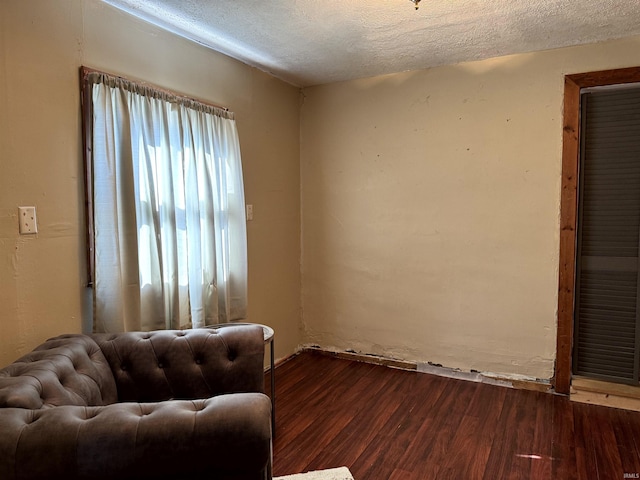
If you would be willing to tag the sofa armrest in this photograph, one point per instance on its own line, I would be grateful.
(65, 370)
(228, 436)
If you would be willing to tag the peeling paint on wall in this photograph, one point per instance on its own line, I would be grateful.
(479, 164)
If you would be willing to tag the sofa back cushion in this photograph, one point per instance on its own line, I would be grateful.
(66, 370)
(185, 364)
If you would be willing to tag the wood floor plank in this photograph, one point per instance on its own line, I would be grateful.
(399, 474)
(430, 447)
(627, 432)
(387, 424)
(341, 407)
(420, 395)
(586, 461)
(301, 394)
(331, 408)
(542, 451)
(563, 451)
(524, 454)
(605, 444)
(368, 423)
(473, 440)
(511, 450)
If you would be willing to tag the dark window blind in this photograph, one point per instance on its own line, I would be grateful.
(606, 324)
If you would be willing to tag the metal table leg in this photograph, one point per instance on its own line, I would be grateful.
(273, 391)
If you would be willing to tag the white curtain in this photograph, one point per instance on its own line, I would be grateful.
(168, 201)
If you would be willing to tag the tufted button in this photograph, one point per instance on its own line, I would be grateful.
(198, 361)
(124, 367)
(160, 365)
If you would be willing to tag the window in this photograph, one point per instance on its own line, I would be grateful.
(165, 207)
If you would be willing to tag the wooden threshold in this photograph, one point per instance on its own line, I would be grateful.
(608, 394)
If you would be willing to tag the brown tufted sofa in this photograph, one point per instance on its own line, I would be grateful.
(157, 405)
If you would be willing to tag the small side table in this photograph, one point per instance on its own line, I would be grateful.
(269, 334)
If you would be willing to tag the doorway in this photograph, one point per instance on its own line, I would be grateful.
(606, 336)
(583, 271)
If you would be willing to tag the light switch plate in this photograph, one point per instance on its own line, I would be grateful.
(28, 224)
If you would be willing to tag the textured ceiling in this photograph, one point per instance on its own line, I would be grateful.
(309, 42)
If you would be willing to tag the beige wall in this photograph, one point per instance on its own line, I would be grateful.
(430, 198)
(42, 45)
(431, 210)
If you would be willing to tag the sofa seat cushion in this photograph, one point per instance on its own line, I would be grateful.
(66, 370)
(174, 439)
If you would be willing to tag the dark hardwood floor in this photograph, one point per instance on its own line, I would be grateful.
(393, 424)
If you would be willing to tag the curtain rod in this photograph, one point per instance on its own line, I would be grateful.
(84, 71)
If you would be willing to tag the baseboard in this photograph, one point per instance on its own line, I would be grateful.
(522, 384)
(280, 361)
(360, 357)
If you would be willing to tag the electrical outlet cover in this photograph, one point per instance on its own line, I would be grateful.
(28, 224)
